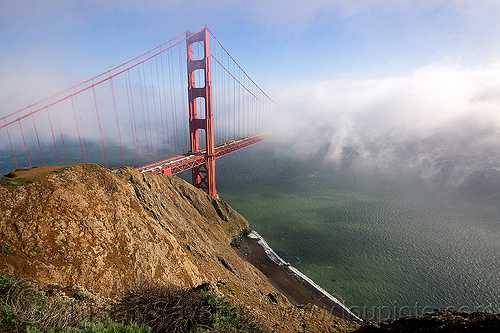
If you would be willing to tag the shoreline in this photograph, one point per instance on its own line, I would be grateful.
(297, 287)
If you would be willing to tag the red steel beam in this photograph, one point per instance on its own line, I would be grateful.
(181, 163)
(235, 145)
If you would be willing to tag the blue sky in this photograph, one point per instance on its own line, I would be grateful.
(275, 40)
(397, 71)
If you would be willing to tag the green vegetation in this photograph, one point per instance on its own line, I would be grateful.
(144, 309)
(24, 308)
(82, 295)
(99, 325)
(62, 169)
(168, 309)
(6, 181)
(225, 317)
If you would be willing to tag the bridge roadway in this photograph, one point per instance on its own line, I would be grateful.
(190, 160)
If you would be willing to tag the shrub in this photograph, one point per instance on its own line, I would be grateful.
(7, 287)
(23, 307)
(162, 308)
(8, 319)
(168, 309)
(143, 309)
(7, 181)
(82, 295)
(225, 317)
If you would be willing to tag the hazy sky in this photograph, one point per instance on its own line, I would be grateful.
(422, 73)
(275, 41)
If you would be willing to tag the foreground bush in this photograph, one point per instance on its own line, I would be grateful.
(166, 309)
(143, 309)
(24, 308)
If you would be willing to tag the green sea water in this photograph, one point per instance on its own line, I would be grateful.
(386, 246)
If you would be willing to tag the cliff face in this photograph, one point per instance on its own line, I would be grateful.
(83, 225)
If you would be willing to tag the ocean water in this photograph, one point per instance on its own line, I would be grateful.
(386, 246)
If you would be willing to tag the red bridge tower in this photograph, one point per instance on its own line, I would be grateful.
(203, 175)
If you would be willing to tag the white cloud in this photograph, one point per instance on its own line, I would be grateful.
(439, 120)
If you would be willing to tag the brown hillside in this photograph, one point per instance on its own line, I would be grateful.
(83, 225)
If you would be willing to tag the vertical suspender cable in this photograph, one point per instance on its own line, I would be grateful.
(86, 151)
(64, 145)
(167, 143)
(143, 113)
(235, 133)
(238, 109)
(173, 101)
(147, 111)
(134, 124)
(117, 120)
(164, 156)
(11, 147)
(125, 77)
(38, 140)
(100, 127)
(183, 100)
(53, 137)
(153, 99)
(228, 111)
(77, 127)
(25, 146)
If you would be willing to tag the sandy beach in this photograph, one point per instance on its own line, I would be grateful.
(283, 277)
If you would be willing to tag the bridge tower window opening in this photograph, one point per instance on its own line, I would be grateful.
(202, 142)
(200, 108)
(200, 78)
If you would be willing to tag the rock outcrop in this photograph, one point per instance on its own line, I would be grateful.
(83, 225)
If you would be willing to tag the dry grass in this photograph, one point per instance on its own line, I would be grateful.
(23, 305)
(168, 309)
(163, 308)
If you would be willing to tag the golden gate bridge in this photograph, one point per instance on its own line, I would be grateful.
(177, 107)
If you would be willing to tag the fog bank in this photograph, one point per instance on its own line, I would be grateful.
(440, 122)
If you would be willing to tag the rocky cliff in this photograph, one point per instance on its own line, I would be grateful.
(84, 225)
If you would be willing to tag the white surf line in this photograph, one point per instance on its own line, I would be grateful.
(298, 274)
